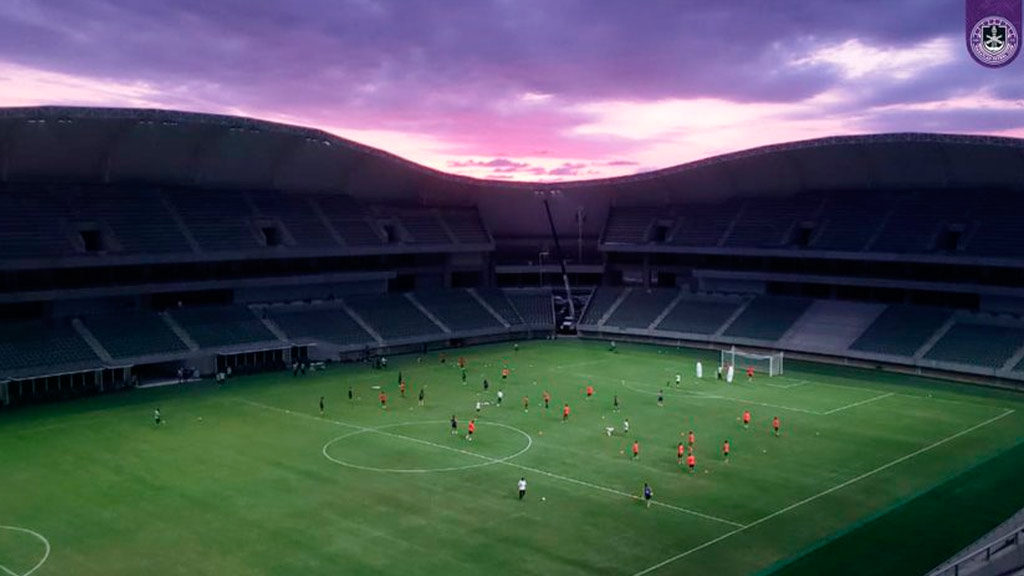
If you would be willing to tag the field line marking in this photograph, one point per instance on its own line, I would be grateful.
(8, 571)
(497, 461)
(824, 493)
(861, 403)
(46, 555)
(621, 493)
(698, 394)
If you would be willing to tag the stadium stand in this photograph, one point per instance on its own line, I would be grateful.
(917, 220)
(394, 317)
(629, 225)
(219, 221)
(319, 323)
(698, 315)
(33, 225)
(769, 222)
(599, 304)
(466, 226)
(47, 346)
(767, 318)
(998, 233)
(297, 215)
(424, 227)
(703, 225)
(132, 334)
(850, 220)
(222, 326)
(641, 308)
(985, 345)
(350, 219)
(901, 330)
(139, 221)
(458, 310)
(533, 307)
(832, 325)
(498, 302)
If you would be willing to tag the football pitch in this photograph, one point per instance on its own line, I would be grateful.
(872, 472)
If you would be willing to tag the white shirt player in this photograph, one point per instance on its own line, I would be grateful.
(730, 373)
(700, 370)
(679, 379)
(625, 426)
(522, 484)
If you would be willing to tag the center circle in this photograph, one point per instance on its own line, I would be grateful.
(484, 459)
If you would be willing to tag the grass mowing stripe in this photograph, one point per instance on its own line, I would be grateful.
(881, 537)
(855, 404)
(497, 461)
(824, 493)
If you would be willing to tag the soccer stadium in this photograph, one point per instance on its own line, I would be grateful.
(231, 346)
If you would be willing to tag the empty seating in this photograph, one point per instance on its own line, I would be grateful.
(393, 316)
(917, 221)
(832, 325)
(218, 220)
(703, 225)
(983, 345)
(138, 220)
(33, 225)
(900, 330)
(599, 304)
(458, 310)
(698, 315)
(466, 226)
(533, 307)
(641, 308)
(424, 228)
(628, 225)
(134, 334)
(767, 318)
(217, 326)
(350, 219)
(769, 222)
(327, 324)
(43, 345)
(849, 221)
(296, 214)
(499, 303)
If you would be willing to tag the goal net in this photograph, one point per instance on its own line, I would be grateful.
(770, 364)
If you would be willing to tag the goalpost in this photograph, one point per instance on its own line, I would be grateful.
(770, 364)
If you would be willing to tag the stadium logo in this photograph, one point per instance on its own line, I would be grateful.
(993, 39)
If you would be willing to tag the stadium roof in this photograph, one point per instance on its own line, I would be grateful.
(158, 147)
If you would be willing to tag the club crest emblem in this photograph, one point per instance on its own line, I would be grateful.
(993, 36)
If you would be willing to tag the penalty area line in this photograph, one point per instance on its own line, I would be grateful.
(861, 403)
(809, 499)
(505, 461)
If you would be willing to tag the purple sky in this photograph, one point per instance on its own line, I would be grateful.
(522, 89)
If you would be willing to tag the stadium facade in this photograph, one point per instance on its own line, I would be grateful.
(137, 242)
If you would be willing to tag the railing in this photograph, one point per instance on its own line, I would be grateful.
(998, 549)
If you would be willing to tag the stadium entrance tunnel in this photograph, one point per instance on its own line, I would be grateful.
(421, 447)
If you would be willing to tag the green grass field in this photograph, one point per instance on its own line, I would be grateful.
(250, 479)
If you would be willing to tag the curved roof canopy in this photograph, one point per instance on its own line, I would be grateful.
(119, 146)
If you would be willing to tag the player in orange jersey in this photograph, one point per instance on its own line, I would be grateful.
(636, 449)
(691, 461)
(775, 425)
(691, 439)
(746, 418)
(471, 428)
(590, 391)
(725, 450)
(680, 452)
(565, 413)
(383, 400)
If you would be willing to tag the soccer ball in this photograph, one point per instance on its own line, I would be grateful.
(543, 499)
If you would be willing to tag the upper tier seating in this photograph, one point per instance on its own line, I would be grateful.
(499, 303)
(629, 225)
(458, 310)
(983, 345)
(466, 226)
(132, 334)
(641, 308)
(533, 307)
(297, 215)
(849, 221)
(767, 318)
(393, 316)
(600, 302)
(769, 222)
(138, 219)
(917, 220)
(703, 225)
(44, 345)
(33, 225)
(219, 221)
(349, 218)
(218, 326)
(424, 227)
(901, 330)
(698, 315)
(326, 323)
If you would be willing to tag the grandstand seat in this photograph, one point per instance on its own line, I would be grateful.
(43, 345)
(466, 226)
(458, 310)
(698, 315)
(219, 221)
(985, 345)
(216, 326)
(599, 304)
(703, 225)
(325, 323)
(849, 221)
(533, 307)
(629, 225)
(393, 316)
(132, 334)
(498, 302)
(767, 318)
(137, 218)
(350, 219)
(296, 214)
(424, 227)
(641, 308)
(901, 330)
(769, 222)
